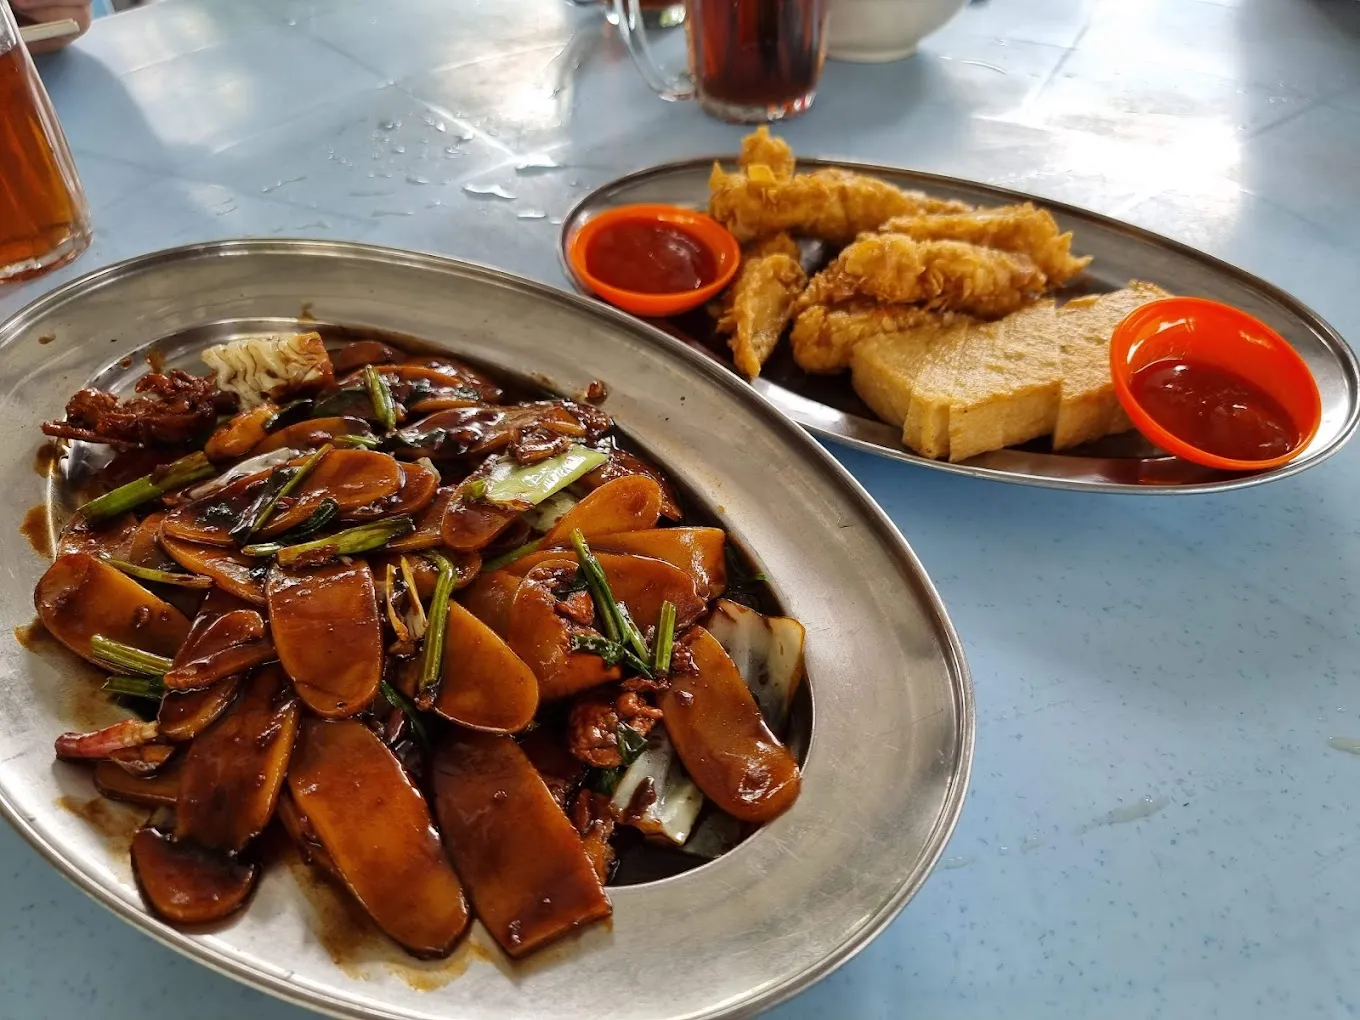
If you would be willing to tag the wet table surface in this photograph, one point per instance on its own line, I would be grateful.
(1163, 813)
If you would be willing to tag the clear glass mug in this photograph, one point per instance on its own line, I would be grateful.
(661, 13)
(44, 219)
(750, 61)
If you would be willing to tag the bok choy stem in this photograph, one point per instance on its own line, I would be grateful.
(176, 475)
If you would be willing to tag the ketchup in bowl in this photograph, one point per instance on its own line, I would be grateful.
(1214, 385)
(650, 258)
(653, 260)
(1214, 409)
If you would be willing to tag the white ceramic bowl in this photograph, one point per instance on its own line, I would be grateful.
(874, 31)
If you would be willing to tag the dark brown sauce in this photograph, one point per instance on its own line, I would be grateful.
(305, 312)
(46, 339)
(36, 638)
(354, 943)
(155, 359)
(37, 528)
(116, 823)
(47, 458)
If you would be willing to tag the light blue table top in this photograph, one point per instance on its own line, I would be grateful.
(1158, 824)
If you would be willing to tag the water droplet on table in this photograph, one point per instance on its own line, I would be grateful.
(379, 213)
(1348, 744)
(397, 149)
(389, 125)
(279, 184)
(413, 179)
(488, 191)
(953, 863)
(537, 165)
(1138, 810)
(531, 214)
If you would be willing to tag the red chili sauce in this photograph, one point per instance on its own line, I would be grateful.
(1215, 409)
(650, 258)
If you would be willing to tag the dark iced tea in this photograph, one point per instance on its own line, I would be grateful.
(756, 60)
(42, 208)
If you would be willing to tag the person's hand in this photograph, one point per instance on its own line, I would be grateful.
(38, 11)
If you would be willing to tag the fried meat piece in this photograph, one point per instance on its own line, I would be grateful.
(178, 407)
(760, 148)
(943, 275)
(1019, 229)
(757, 307)
(835, 205)
(824, 337)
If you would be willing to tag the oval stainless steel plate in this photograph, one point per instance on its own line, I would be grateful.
(829, 407)
(887, 764)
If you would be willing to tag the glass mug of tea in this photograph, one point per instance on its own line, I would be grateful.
(44, 221)
(749, 60)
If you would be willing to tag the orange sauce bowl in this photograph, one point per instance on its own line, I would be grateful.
(1222, 339)
(705, 232)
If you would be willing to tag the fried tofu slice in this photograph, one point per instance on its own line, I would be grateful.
(884, 366)
(760, 148)
(942, 275)
(758, 305)
(834, 205)
(1089, 408)
(1020, 229)
(825, 338)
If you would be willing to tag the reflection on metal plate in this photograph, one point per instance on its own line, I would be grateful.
(829, 407)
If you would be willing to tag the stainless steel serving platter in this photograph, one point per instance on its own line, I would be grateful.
(829, 407)
(892, 712)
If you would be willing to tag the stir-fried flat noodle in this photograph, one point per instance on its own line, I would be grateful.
(449, 640)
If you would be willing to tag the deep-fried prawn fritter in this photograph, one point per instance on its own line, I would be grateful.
(760, 148)
(824, 338)
(945, 275)
(835, 205)
(757, 306)
(1021, 229)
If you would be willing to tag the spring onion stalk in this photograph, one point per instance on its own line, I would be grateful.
(389, 599)
(527, 485)
(611, 652)
(421, 622)
(598, 586)
(507, 558)
(632, 635)
(665, 640)
(177, 578)
(433, 657)
(135, 686)
(118, 657)
(360, 439)
(185, 471)
(380, 393)
(279, 484)
(349, 542)
(400, 701)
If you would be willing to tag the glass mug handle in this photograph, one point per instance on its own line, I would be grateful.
(670, 88)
